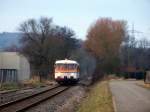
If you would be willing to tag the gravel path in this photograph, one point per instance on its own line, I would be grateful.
(129, 97)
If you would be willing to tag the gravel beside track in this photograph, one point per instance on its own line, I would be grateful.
(66, 101)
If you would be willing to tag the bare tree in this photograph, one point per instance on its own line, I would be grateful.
(135, 54)
(43, 43)
(87, 64)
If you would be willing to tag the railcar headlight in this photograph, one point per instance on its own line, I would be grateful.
(72, 74)
(58, 74)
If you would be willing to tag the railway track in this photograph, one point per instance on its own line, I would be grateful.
(32, 100)
(15, 95)
(19, 94)
(13, 91)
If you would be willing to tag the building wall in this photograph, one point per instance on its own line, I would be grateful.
(9, 60)
(24, 70)
(15, 61)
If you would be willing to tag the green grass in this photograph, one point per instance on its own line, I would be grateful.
(99, 99)
(9, 86)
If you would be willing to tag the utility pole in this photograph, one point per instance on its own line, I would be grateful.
(128, 49)
(132, 30)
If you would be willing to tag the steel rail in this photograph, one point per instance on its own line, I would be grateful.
(29, 101)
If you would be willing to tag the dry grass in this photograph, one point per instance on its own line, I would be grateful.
(35, 82)
(99, 99)
(31, 83)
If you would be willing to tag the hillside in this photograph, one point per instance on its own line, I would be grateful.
(7, 39)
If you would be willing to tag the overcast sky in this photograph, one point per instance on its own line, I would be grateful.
(76, 14)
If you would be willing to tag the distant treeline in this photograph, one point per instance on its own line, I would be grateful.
(108, 47)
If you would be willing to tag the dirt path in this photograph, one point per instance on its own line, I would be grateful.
(129, 97)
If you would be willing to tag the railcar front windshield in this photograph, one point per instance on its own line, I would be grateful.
(66, 66)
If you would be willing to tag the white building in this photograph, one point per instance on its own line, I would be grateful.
(13, 67)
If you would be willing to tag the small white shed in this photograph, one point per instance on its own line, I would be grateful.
(14, 67)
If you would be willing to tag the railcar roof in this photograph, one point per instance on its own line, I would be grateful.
(66, 61)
